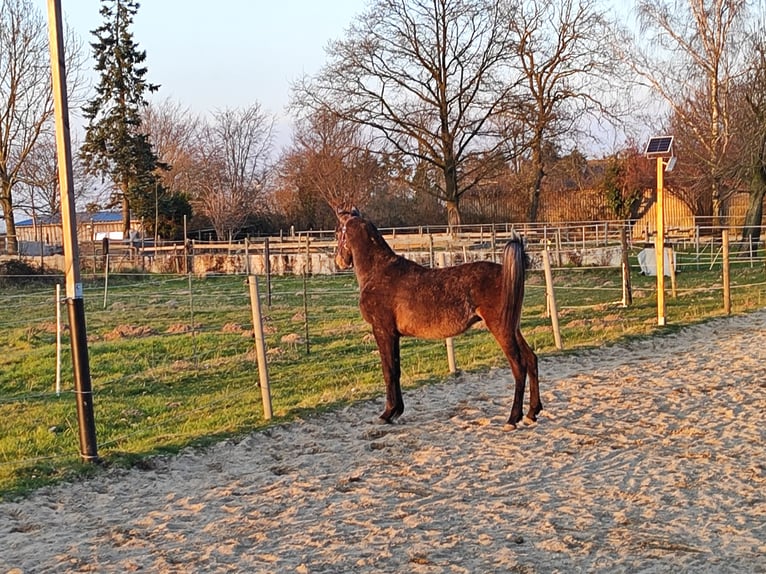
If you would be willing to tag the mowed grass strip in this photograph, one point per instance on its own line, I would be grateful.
(172, 361)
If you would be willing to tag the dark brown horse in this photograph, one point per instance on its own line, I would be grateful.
(399, 298)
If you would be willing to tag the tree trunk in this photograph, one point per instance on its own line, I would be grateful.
(534, 192)
(125, 217)
(534, 197)
(717, 207)
(754, 214)
(452, 196)
(453, 214)
(6, 206)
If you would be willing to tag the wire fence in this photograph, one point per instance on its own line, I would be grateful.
(310, 252)
(172, 360)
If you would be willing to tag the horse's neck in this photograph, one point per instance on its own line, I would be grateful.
(371, 256)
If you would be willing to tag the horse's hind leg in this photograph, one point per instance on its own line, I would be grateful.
(388, 346)
(529, 359)
(510, 346)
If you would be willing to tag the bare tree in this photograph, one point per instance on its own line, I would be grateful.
(330, 158)
(234, 160)
(567, 75)
(693, 61)
(174, 133)
(428, 77)
(38, 191)
(26, 98)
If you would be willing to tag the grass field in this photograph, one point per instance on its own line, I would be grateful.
(172, 362)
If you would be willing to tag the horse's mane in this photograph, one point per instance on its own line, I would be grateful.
(375, 235)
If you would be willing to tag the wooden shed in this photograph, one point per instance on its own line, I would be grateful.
(679, 218)
(90, 227)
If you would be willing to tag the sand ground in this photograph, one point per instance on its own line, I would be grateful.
(648, 457)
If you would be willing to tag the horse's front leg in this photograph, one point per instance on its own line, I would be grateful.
(388, 346)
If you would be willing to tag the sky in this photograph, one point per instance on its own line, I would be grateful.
(210, 56)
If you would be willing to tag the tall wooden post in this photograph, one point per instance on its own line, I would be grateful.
(659, 246)
(74, 300)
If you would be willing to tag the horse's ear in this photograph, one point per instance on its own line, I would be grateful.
(346, 212)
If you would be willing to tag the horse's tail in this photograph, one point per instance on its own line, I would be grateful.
(515, 263)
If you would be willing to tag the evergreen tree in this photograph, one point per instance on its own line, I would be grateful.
(115, 146)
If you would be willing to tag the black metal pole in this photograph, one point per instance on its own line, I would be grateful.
(82, 384)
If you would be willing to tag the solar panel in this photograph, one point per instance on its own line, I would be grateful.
(661, 146)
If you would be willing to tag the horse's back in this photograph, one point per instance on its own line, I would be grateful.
(430, 303)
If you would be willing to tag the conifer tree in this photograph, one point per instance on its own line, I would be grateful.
(115, 146)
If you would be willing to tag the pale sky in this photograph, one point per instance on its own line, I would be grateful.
(226, 53)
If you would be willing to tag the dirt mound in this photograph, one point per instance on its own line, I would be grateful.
(129, 332)
(179, 328)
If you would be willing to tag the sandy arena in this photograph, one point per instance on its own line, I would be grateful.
(648, 457)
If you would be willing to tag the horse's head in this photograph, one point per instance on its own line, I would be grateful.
(343, 256)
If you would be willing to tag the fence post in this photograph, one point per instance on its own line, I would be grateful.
(75, 302)
(106, 277)
(697, 244)
(260, 346)
(58, 339)
(267, 269)
(247, 256)
(306, 312)
(627, 289)
(451, 355)
(672, 263)
(726, 278)
(551, 297)
(430, 251)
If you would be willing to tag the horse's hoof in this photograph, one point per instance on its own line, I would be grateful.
(529, 421)
(509, 427)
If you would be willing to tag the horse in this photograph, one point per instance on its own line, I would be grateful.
(400, 298)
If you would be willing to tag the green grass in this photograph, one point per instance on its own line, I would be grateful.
(171, 366)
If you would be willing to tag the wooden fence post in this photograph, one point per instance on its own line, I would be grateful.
(726, 278)
(247, 256)
(431, 251)
(260, 346)
(58, 339)
(267, 269)
(451, 355)
(551, 298)
(672, 263)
